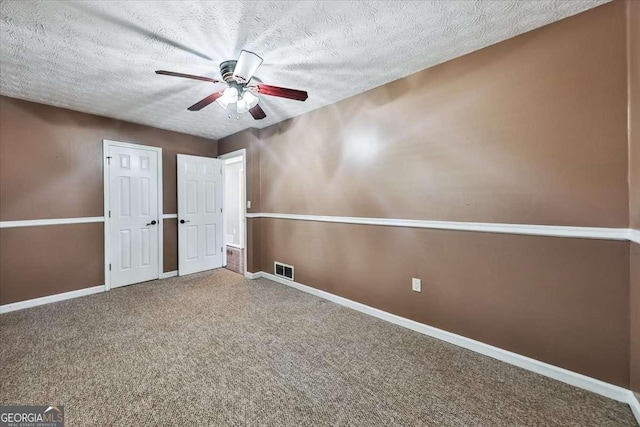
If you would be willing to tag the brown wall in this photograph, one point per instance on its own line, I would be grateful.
(40, 261)
(63, 150)
(548, 298)
(170, 249)
(51, 167)
(254, 244)
(633, 48)
(532, 130)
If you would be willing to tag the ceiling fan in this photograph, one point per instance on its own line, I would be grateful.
(240, 91)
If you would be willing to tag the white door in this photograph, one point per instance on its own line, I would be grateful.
(200, 218)
(134, 223)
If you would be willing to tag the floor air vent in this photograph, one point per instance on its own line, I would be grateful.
(283, 270)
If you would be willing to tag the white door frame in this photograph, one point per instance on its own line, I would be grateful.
(242, 152)
(107, 221)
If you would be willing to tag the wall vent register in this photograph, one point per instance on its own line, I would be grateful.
(283, 270)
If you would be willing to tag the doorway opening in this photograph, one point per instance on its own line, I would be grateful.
(235, 210)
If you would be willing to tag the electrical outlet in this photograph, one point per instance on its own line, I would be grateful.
(416, 285)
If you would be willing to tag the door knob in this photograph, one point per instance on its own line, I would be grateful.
(182, 221)
(152, 222)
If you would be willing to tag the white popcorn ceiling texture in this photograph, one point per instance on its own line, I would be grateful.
(100, 57)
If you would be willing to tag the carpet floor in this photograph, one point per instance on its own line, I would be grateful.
(217, 349)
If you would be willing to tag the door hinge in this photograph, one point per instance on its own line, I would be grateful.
(109, 160)
(220, 249)
(109, 267)
(220, 171)
(109, 214)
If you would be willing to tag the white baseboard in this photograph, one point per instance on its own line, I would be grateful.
(64, 296)
(50, 298)
(573, 378)
(252, 276)
(168, 274)
(635, 406)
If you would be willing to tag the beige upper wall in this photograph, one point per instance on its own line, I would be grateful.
(51, 159)
(532, 130)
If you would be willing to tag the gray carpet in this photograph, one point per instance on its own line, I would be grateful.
(217, 349)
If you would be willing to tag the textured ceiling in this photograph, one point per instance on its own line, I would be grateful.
(99, 57)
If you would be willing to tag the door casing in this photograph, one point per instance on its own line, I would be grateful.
(106, 144)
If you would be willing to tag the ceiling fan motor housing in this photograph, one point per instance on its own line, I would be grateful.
(226, 70)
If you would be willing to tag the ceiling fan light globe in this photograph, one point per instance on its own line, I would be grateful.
(231, 92)
(222, 102)
(229, 96)
(242, 106)
(250, 99)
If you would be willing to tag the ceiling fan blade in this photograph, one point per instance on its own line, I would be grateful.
(247, 64)
(187, 76)
(283, 92)
(257, 112)
(206, 101)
